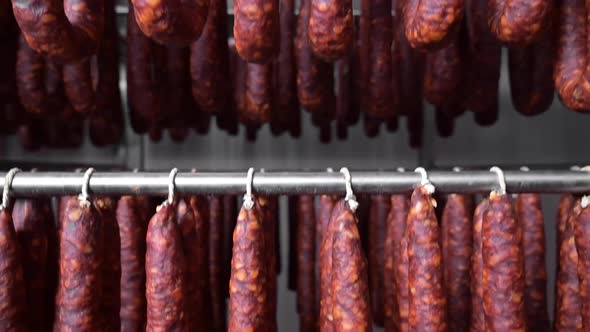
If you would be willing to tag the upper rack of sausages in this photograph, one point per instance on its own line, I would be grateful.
(407, 251)
(59, 66)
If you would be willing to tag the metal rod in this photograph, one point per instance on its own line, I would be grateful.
(121, 183)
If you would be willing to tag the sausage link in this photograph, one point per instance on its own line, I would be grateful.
(216, 261)
(165, 277)
(478, 323)
(502, 252)
(78, 84)
(259, 94)
(230, 215)
(177, 92)
(132, 231)
(81, 257)
(52, 234)
(66, 31)
(518, 21)
(12, 283)
(582, 239)
(566, 203)
(256, 29)
(174, 22)
(530, 215)
(30, 223)
(306, 283)
(331, 28)
(396, 227)
(209, 64)
(30, 78)
(531, 74)
(442, 76)
(315, 81)
(571, 72)
(429, 23)
(380, 206)
(427, 296)
(269, 225)
(569, 301)
(445, 122)
(248, 292)
(293, 221)
(323, 212)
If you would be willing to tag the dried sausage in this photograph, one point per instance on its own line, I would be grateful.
(30, 223)
(177, 93)
(530, 215)
(396, 227)
(504, 308)
(132, 231)
(216, 261)
(269, 225)
(442, 77)
(230, 215)
(165, 278)
(248, 292)
(571, 65)
(66, 31)
(331, 28)
(429, 23)
(566, 203)
(238, 74)
(569, 301)
(531, 74)
(259, 94)
(380, 206)
(315, 81)
(12, 283)
(30, 78)
(111, 266)
(582, 238)
(518, 21)
(209, 65)
(478, 323)
(79, 86)
(457, 246)
(427, 295)
(171, 22)
(256, 29)
(445, 122)
(80, 277)
(306, 292)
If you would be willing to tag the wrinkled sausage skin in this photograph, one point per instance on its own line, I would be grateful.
(530, 216)
(478, 323)
(66, 32)
(443, 77)
(215, 261)
(380, 206)
(503, 264)
(12, 283)
(582, 238)
(331, 28)
(518, 21)
(259, 94)
(256, 29)
(269, 224)
(429, 22)
(30, 78)
(306, 292)
(172, 22)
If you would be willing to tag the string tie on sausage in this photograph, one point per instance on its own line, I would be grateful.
(6, 191)
(585, 200)
(350, 198)
(248, 198)
(501, 188)
(84, 196)
(425, 181)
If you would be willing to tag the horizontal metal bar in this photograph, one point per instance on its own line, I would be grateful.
(146, 183)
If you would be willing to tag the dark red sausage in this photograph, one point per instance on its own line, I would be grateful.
(442, 77)
(165, 277)
(566, 203)
(12, 284)
(230, 215)
(177, 93)
(80, 278)
(172, 22)
(582, 238)
(66, 31)
(503, 264)
(259, 94)
(457, 246)
(518, 21)
(306, 283)
(256, 29)
(429, 23)
(331, 28)
(270, 223)
(478, 323)
(216, 261)
(380, 206)
(30, 78)
(78, 86)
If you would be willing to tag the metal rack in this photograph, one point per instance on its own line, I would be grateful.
(283, 183)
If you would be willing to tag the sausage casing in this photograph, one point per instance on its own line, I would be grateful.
(256, 29)
(216, 261)
(582, 238)
(30, 78)
(518, 21)
(331, 28)
(429, 23)
(478, 322)
(12, 284)
(306, 281)
(380, 206)
(259, 94)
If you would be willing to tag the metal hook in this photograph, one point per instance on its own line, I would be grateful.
(84, 195)
(350, 197)
(501, 180)
(7, 184)
(248, 198)
(425, 181)
(171, 186)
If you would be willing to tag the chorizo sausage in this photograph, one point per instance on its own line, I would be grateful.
(230, 214)
(80, 278)
(571, 68)
(396, 227)
(518, 21)
(216, 261)
(78, 86)
(269, 226)
(566, 203)
(531, 74)
(293, 202)
(442, 76)
(200, 209)
(331, 28)
(12, 283)
(306, 292)
(581, 234)
(256, 29)
(259, 94)
(530, 215)
(429, 23)
(504, 308)
(176, 23)
(248, 295)
(445, 122)
(132, 228)
(106, 209)
(209, 64)
(380, 206)
(66, 31)
(30, 78)
(165, 278)
(51, 232)
(177, 92)
(30, 223)
(478, 323)
(323, 212)
(427, 297)
(457, 246)
(569, 301)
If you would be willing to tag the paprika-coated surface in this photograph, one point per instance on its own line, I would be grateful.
(429, 22)
(30, 78)
(256, 29)
(12, 284)
(518, 21)
(582, 238)
(259, 94)
(380, 207)
(306, 279)
(478, 322)
(331, 28)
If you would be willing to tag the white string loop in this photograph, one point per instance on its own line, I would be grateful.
(248, 198)
(7, 185)
(350, 198)
(501, 189)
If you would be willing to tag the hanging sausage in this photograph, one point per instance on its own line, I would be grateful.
(79, 87)
(216, 261)
(331, 28)
(478, 323)
(230, 215)
(518, 21)
(259, 94)
(582, 239)
(30, 78)
(256, 29)
(380, 206)
(306, 281)
(429, 23)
